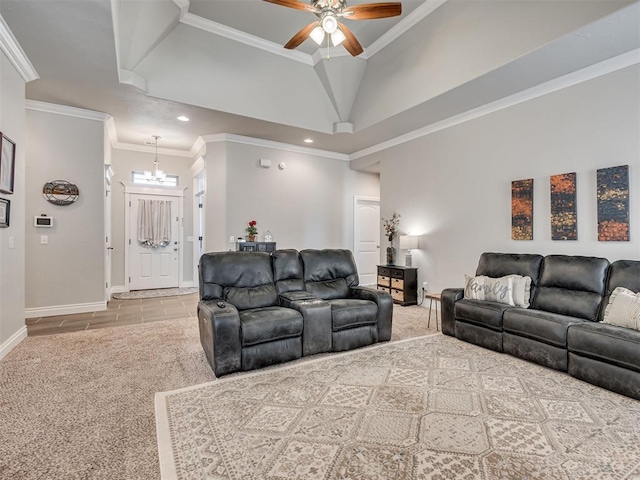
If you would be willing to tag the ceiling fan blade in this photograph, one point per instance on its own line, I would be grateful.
(293, 4)
(368, 11)
(351, 43)
(301, 36)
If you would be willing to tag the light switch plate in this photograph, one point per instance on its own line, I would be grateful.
(44, 240)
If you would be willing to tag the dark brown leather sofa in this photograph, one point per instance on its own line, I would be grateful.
(562, 328)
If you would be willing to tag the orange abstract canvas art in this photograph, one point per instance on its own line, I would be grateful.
(564, 211)
(522, 209)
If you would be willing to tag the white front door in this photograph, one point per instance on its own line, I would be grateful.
(367, 238)
(153, 267)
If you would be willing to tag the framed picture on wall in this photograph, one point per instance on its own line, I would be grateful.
(7, 164)
(5, 207)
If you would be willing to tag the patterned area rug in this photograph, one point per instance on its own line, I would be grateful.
(158, 292)
(426, 408)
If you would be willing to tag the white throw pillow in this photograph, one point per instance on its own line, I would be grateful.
(521, 290)
(623, 309)
(490, 289)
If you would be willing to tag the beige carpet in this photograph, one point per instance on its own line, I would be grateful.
(426, 408)
(81, 405)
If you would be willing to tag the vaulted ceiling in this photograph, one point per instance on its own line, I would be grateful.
(221, 63)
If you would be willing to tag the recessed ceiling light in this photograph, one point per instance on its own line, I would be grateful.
(182, 118)
(308, 140)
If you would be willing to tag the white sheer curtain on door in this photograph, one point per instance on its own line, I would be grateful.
(154, 223)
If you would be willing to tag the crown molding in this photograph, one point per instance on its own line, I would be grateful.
(322, 53)
(197, 146)
(259, 142)
(67, 111)
(183, 5)
(112, 133)
(129, 77)
(133, 147)
(416, 16)
(579, 76)
(12, 49)
(243, 37)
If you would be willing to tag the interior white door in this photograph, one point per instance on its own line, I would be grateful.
(367, 238)
(107, 238)
(153, 267)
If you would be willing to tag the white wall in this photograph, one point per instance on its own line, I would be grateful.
(309, 204)
(69, 270)
(124, 162)
(453, 186)
(12, 124)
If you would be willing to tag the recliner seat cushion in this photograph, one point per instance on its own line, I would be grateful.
(351, 313)
(485, 314)
(251, 297)
(269, 324)
(218, 270)
(607, 343)
(622, 273)
(572, 286)
(546, 327)
(498, 265)
(329, 289)
(330, 264)
(287, 271)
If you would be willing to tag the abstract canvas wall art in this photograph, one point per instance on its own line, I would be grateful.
(522, 209)
(613, 204)
(564, 211)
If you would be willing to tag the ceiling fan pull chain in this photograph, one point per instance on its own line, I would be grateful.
(328, 47)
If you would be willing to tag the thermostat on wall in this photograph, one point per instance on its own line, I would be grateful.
(43, 221)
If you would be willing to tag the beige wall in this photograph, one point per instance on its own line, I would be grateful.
(124, 162)
(12, 124)
(453, 186)
(309, 204)
(69, 270)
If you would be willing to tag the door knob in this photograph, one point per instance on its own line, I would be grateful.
(175, 249)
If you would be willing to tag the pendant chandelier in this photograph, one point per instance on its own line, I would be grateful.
(156, 175)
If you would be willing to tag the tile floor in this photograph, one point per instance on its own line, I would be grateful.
(118, 312)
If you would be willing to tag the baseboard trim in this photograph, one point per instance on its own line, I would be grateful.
(186, 284)
(119, 289)
(65, 309)
(13, 342)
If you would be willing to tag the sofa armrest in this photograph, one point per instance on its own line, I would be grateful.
(316, 323)
(286, 298)
(448, 300)
(385, 308)
(220, 336)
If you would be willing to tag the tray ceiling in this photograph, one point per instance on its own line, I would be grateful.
(221, 63)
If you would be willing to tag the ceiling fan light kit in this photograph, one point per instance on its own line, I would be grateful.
(328, 11)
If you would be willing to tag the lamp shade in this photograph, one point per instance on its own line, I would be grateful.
(408, 242)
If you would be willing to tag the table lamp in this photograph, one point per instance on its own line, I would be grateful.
(408, 243)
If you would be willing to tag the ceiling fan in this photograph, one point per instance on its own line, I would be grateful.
(328, 12)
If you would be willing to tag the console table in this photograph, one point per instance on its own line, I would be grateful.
(256, 246)
(400, 282)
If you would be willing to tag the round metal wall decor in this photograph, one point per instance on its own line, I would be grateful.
(60, 192)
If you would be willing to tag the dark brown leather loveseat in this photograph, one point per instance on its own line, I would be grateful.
(258, 309)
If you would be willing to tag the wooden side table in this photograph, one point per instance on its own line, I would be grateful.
(433, 297)
(400, 282)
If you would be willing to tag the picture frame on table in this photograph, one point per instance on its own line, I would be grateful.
(5, 209)
(7, 164)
